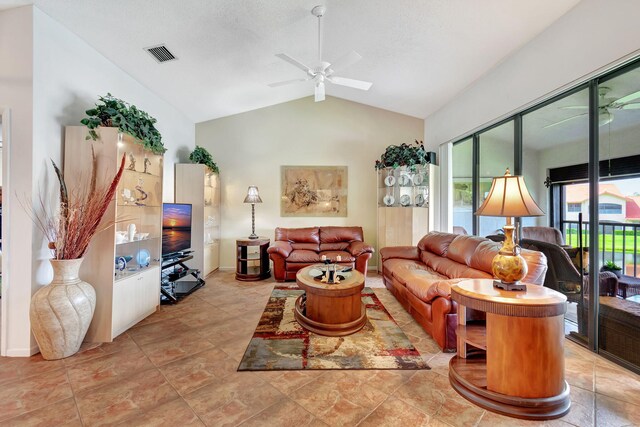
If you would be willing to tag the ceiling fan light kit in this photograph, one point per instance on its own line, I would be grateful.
(324, 71)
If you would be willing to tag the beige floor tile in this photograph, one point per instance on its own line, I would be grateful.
(285, 413)
(88, 351)
(288, 381)
(175, 348)
(12, 368)
(580, 373)
(617, 383)
(198, 370)
(59, 414)
(21, 396)
(238, 398)
(611, 412)
(173, 413)
(108, 368)
(422, 392)
(119, 401)
(157, 331)
(459, 412)
(395, 413)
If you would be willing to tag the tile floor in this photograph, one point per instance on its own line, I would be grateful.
(178, 368)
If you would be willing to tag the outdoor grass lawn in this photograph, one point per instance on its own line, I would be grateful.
(609, 240)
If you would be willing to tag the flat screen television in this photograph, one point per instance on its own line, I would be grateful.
(176, 228)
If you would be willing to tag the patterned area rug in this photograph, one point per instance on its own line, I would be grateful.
(280, 343)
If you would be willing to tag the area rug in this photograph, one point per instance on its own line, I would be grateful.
(280, 343)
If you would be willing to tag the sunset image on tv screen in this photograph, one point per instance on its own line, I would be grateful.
(176, 216)
(176, 228)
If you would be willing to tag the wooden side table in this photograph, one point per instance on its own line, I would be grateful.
(513, 363)
(252, 259)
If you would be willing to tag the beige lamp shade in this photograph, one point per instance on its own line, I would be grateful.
(252, 195)
(509, 197)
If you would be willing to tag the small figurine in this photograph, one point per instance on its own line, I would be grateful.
(147, 163)
(132, 162)
(143, 194)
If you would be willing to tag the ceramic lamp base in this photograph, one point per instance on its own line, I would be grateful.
(517, 286)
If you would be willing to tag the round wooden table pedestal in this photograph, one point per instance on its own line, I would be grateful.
(331, 329)
(333, 310)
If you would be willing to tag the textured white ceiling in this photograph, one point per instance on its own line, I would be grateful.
(418, 53)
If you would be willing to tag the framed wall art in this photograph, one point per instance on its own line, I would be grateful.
(313, 191)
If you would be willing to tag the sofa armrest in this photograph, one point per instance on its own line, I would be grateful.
(357, 248)
(281, 248)
(404, 252)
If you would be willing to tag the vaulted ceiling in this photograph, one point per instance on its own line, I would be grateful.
(418, 53)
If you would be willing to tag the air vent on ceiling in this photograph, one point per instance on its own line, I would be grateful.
(160, 53)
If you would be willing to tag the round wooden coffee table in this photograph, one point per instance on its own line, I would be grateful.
(330, 309)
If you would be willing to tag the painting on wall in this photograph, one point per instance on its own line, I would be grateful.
(313, 191)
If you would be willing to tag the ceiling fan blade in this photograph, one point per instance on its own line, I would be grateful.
(628, 98)
(631, 106)
(319, 93)
(343, 81)
(345, 61)
(294, 62)
(574, 107)
(563, 121)
(286, 82)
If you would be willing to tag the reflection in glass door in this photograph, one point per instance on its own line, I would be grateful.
(463, 187)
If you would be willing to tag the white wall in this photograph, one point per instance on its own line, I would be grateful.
(60, 77)
(590, 38)
(16, 93)
(250, 148)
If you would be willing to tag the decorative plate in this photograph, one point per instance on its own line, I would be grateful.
(389, 181)
(417, 179)
(389, 200)
(404, 180)
(419, 200)
(143, 258)
(405, 200)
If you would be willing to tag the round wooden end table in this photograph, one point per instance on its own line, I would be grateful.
(330, 309)
(513, 363)
(252, 259)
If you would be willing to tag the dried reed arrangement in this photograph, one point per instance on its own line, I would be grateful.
(79, 214)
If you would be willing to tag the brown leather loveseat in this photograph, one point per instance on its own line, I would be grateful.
(296, 248)
(421, 277)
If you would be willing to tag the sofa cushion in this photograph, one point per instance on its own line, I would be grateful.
(340, 246)
(462, 248)
(428, 288)
(483, 255)
(306, 246)
(332, 255)
(395, 265)
(340, 234)
(436, 242)
(299, 235)
(407, 271)
(301, 255)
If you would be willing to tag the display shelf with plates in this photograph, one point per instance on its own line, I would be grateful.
(122, 263)
(196, 185)
(406, 204)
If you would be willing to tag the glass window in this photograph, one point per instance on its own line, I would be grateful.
(496, 155)
(463, 187)
(574, 207)
(609, 208)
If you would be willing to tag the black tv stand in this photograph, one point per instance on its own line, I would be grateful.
(174, 269)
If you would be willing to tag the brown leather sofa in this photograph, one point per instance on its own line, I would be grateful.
(421, 277)
(296, 248)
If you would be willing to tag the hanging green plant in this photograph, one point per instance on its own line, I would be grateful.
(114, 112)
(403, 155)
(201, 156)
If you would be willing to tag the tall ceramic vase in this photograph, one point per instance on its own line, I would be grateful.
(61, 312)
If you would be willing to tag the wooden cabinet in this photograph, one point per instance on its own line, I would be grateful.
(123, 261)
(252, 259)
(407, 207)
(513, 362)
(194, 184)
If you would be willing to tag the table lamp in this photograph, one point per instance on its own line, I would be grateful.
(509, 198)
(253, 197)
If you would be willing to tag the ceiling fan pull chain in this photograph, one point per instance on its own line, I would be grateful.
(319, 38)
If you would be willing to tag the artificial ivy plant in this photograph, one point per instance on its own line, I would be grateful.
(201, 156)
(113, 112)
(403, 155)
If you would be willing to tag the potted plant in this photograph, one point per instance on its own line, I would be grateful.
(129, 119)
(201, 156)
(61, 312)
(613, 267)
(404, 154)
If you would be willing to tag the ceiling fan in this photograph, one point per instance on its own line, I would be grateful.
(324, 71)
(605, 105)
